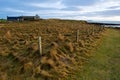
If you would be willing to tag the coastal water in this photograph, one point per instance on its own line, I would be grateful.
(112, 25)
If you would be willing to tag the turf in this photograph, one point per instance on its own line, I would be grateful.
(105, 61)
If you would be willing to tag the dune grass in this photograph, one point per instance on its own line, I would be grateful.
(105, 62)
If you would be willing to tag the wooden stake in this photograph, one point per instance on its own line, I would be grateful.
(77, 36)
(40, 45)
(93, 31)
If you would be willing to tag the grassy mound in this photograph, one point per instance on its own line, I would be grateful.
(62, 54)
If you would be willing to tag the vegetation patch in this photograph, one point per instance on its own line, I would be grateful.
(63, 50)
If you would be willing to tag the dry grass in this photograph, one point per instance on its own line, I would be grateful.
(8, 35)
(61, 54)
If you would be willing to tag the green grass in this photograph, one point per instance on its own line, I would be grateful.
(105, 62)
(3, 20)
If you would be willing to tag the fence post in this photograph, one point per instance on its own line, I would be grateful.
(77, 36)
(93, 30)
(40, 45)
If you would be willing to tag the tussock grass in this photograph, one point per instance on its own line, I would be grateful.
(61, 57)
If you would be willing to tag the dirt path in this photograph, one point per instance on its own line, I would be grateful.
(105, 63)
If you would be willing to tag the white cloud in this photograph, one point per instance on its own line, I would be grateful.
(63, 15)
(14, 10)
(102, 5)
(56, 12)
(97, 18)
(55, 5)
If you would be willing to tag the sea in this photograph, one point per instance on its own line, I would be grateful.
(112, 26)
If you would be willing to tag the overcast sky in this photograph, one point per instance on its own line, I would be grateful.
(65, 9)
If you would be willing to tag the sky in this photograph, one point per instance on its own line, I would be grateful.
(100, 10)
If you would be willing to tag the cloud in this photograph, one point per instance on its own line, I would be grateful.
(79, 2)
(65, 9)
(96, 18)
(100, 6)
(54, 5)
(14, 10)
(108, 13)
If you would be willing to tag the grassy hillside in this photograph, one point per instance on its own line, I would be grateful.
(62, 55)
(105, 62)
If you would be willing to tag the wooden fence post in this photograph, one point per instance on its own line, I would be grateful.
(40, 45)
(77, 36)
(93, 31)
